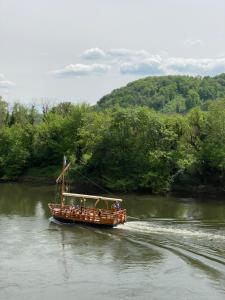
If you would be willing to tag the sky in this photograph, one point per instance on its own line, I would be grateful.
(80, 50)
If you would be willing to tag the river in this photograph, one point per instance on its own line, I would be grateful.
(170, 248)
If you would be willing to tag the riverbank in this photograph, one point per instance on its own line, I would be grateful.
(48, 176)
(44, 175)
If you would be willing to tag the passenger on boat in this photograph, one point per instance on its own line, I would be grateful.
(117, 205)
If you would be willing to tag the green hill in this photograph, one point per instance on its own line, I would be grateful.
(167, 93)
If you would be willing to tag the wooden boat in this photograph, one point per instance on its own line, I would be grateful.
(86, 210)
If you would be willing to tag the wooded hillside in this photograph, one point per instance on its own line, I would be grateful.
(167, 94)
(123, 148)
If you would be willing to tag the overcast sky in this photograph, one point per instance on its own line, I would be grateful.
(79, 50)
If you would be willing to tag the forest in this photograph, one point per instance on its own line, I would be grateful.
(124, 144)
(168, 94)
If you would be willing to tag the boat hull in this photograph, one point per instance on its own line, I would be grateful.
(71, 222)
(90, 216)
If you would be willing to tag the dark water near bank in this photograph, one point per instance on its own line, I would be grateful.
(171, 248)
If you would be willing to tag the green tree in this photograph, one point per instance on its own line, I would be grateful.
(14, 151)
(3, 112)
(192, 99)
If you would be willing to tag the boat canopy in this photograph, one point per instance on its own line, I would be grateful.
(91, 197)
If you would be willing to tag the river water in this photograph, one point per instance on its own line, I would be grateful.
(170, 248)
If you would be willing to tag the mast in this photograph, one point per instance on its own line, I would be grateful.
(62, 187)
(61, 179)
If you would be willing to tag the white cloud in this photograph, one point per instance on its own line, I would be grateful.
(127, 54)
(189, 66)
(81, 70)
(150, 66)
(142, 63)
(93, 53)
(5, 84)
(115, 54)
(193, 66)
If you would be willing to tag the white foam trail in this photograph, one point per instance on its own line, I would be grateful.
(147, 227)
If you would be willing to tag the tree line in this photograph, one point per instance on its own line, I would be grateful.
(168, 94)
(120, 148)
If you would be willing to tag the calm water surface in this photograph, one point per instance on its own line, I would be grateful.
(170, 248)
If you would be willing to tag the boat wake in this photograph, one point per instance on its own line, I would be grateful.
(155, 228)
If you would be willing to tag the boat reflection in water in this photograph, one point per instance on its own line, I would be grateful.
(80, 212)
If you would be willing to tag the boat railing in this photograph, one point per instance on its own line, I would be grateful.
(87, 211)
